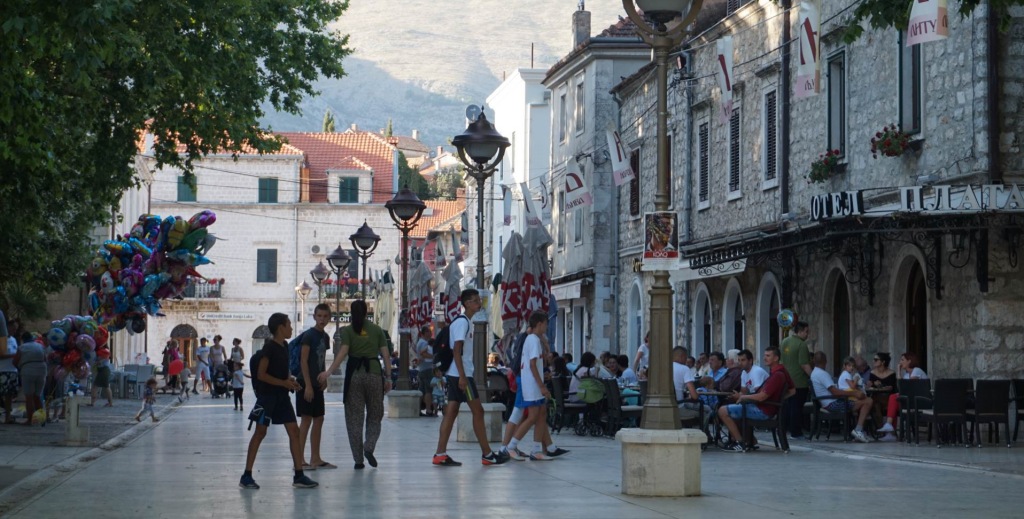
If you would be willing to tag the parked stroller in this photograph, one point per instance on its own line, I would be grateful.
(591, 392)
(221, 380)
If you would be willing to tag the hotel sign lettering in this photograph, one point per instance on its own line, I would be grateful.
(837, 205)
(961, 199)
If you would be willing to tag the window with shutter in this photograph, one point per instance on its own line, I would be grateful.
(771, 141)
(348, 190)
(185, 191)
(734, 151)
(703, 146)
(911, 84)
(837, 103)
(266, 265)
(634, 185)
(268, 191)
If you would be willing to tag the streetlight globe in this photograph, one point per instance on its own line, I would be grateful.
(338, 259)
(303, 289)
(405, 207)
(663, 11)
(481, 142)
(319, 273)
(365, 240)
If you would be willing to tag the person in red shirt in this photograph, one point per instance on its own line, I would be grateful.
(778, 385)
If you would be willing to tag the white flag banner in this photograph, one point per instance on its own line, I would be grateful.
(725, 76)
(533, 216)
(929, 21)
(808, 71)
(621, 170)
(577, 193)
(545, 203)
(506, 206)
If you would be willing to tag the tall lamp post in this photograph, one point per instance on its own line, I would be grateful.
(660, 411)
(338, 260)
(405, 209)
(365, 242)
(302, 290)
(481, 149)
(320, 276)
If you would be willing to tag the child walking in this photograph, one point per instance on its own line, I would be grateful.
(148, 399)
(238, 383)
(437, 391)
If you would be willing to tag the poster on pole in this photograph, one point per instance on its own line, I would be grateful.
(661, 241)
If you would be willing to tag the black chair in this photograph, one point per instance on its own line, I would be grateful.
(564, 410)
(948, 407)
(776, 424)
(501, 393)
(617, 412)
(992, 407)
(821, 415)
(909, 393)
(1018, 398)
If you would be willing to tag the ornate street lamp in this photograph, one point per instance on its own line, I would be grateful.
(302, 290)
(481, 149)
(365, 242)
(320, 275)
(405, 209)
(338, 260)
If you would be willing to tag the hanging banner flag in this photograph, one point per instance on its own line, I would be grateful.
(533, 216)
(507, 205)
(725, 77)
(929, 21)
(577, 194)
(808, 72)
(545, 204)
(621, 170)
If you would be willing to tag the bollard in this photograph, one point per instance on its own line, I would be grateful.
(75, 433)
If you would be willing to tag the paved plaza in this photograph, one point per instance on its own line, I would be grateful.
(189, 464)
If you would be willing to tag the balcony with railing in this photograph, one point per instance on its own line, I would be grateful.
(199, 288)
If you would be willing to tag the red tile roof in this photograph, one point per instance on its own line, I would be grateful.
(443, 213)
(348, 150)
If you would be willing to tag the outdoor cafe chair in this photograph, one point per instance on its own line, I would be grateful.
(776, 424)
(823, 416)
(992, 407)
(948, 407)
(909, 392)
(618, 412)
(1018, 398)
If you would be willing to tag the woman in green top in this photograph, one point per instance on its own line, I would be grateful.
(365, 381)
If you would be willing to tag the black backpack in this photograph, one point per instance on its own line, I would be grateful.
(254, 367)
(443, 354)
(515, 356)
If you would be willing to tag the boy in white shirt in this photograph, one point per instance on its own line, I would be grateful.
(534, 393)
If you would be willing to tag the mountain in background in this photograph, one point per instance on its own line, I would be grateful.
(421, 62)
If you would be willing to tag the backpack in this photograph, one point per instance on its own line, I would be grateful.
(254, 362)
(515, 355)
(443, 354)
(295, 355)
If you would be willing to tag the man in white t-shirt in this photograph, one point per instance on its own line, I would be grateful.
(682, 378)
(753, 376)
(534, 393)
(853, 401)
(202, 366)
(462, 388)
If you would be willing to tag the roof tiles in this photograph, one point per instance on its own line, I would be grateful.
(348, 150)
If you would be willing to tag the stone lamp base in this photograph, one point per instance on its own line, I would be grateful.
(661, 463)
(404, 404)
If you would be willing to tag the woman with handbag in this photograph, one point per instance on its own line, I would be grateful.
(366, 382)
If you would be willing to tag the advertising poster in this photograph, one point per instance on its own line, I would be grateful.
(661, 241)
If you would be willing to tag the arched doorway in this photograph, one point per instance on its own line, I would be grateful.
(732, 318)
(767, 314)
(917, 315)
(840, 325)
(259, 336)
(635, 321)
(186, 336)
(702, 322)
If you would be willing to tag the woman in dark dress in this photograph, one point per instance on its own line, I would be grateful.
(883, 381)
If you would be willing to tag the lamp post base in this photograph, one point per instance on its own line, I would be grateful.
(492, 423)
(404, 404)
(335, 383)
(661, 463)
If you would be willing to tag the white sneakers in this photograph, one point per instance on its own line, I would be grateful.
(860, 436)
(887, 428)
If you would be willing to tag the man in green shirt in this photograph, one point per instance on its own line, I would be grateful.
(797, 360)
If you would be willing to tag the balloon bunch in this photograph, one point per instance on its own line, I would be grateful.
(75, 341)
(129, 276)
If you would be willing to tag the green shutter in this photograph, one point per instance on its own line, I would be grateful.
(185, 192)
(266, 265)
(268, 191)
(348, 190)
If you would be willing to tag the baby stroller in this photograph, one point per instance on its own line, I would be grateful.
(591, 392)
(221, 380)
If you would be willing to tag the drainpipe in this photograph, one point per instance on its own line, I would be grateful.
(995, 173)
(616, 342)
(688, 198)
(295, 295)
(785, 87)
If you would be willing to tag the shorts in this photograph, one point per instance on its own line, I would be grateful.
(314, 409)
(424, 376)
(32, 384)
(457, 395)
(203, 371)
(278, 412)
(841, 405)
(102, 378)
(438, 400)
(753, 412)
(8, 383)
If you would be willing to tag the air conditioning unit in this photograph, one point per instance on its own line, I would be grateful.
(314, 249)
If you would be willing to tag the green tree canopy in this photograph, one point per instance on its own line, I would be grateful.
(882, 14)
(447, 181)
(328, 124)
(81, 81)
(407, 176)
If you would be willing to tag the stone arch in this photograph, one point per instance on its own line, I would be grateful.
(769, 301)
(703, 331)
(259, 336)
(184, 331)
(634, 319)
(733, 320)
(187, 338)
(910, 264)
(836, 319)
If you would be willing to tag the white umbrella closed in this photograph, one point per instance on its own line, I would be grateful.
(536, 280)
(421, 296)
(386, 302)
(452, 289)
(511, 285)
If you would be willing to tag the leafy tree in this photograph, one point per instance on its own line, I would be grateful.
(81, 81)
(408, 176)
(447, 182)
(328, 125)
(882, 14)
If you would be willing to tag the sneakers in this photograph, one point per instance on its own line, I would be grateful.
(516, 454)
(444, 460)
(303, 481)
(248, 482)
(540, 456)
(733, 447)
(494, 458)
(887, 428)
(888, 438)
(557, 452)
(860, 436)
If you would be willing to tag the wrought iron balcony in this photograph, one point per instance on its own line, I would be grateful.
(202, 289)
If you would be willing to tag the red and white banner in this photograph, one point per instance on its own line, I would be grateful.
(929, 21)
(533, 215)
(622, 172)
(808, 70)
(506, 205)
(724, 73)
(577, 193)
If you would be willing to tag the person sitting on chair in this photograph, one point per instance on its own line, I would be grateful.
(775, 388)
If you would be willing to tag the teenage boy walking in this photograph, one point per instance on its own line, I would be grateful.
(272, 396)
(309, 401)
(534, 393)
(462, 387)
